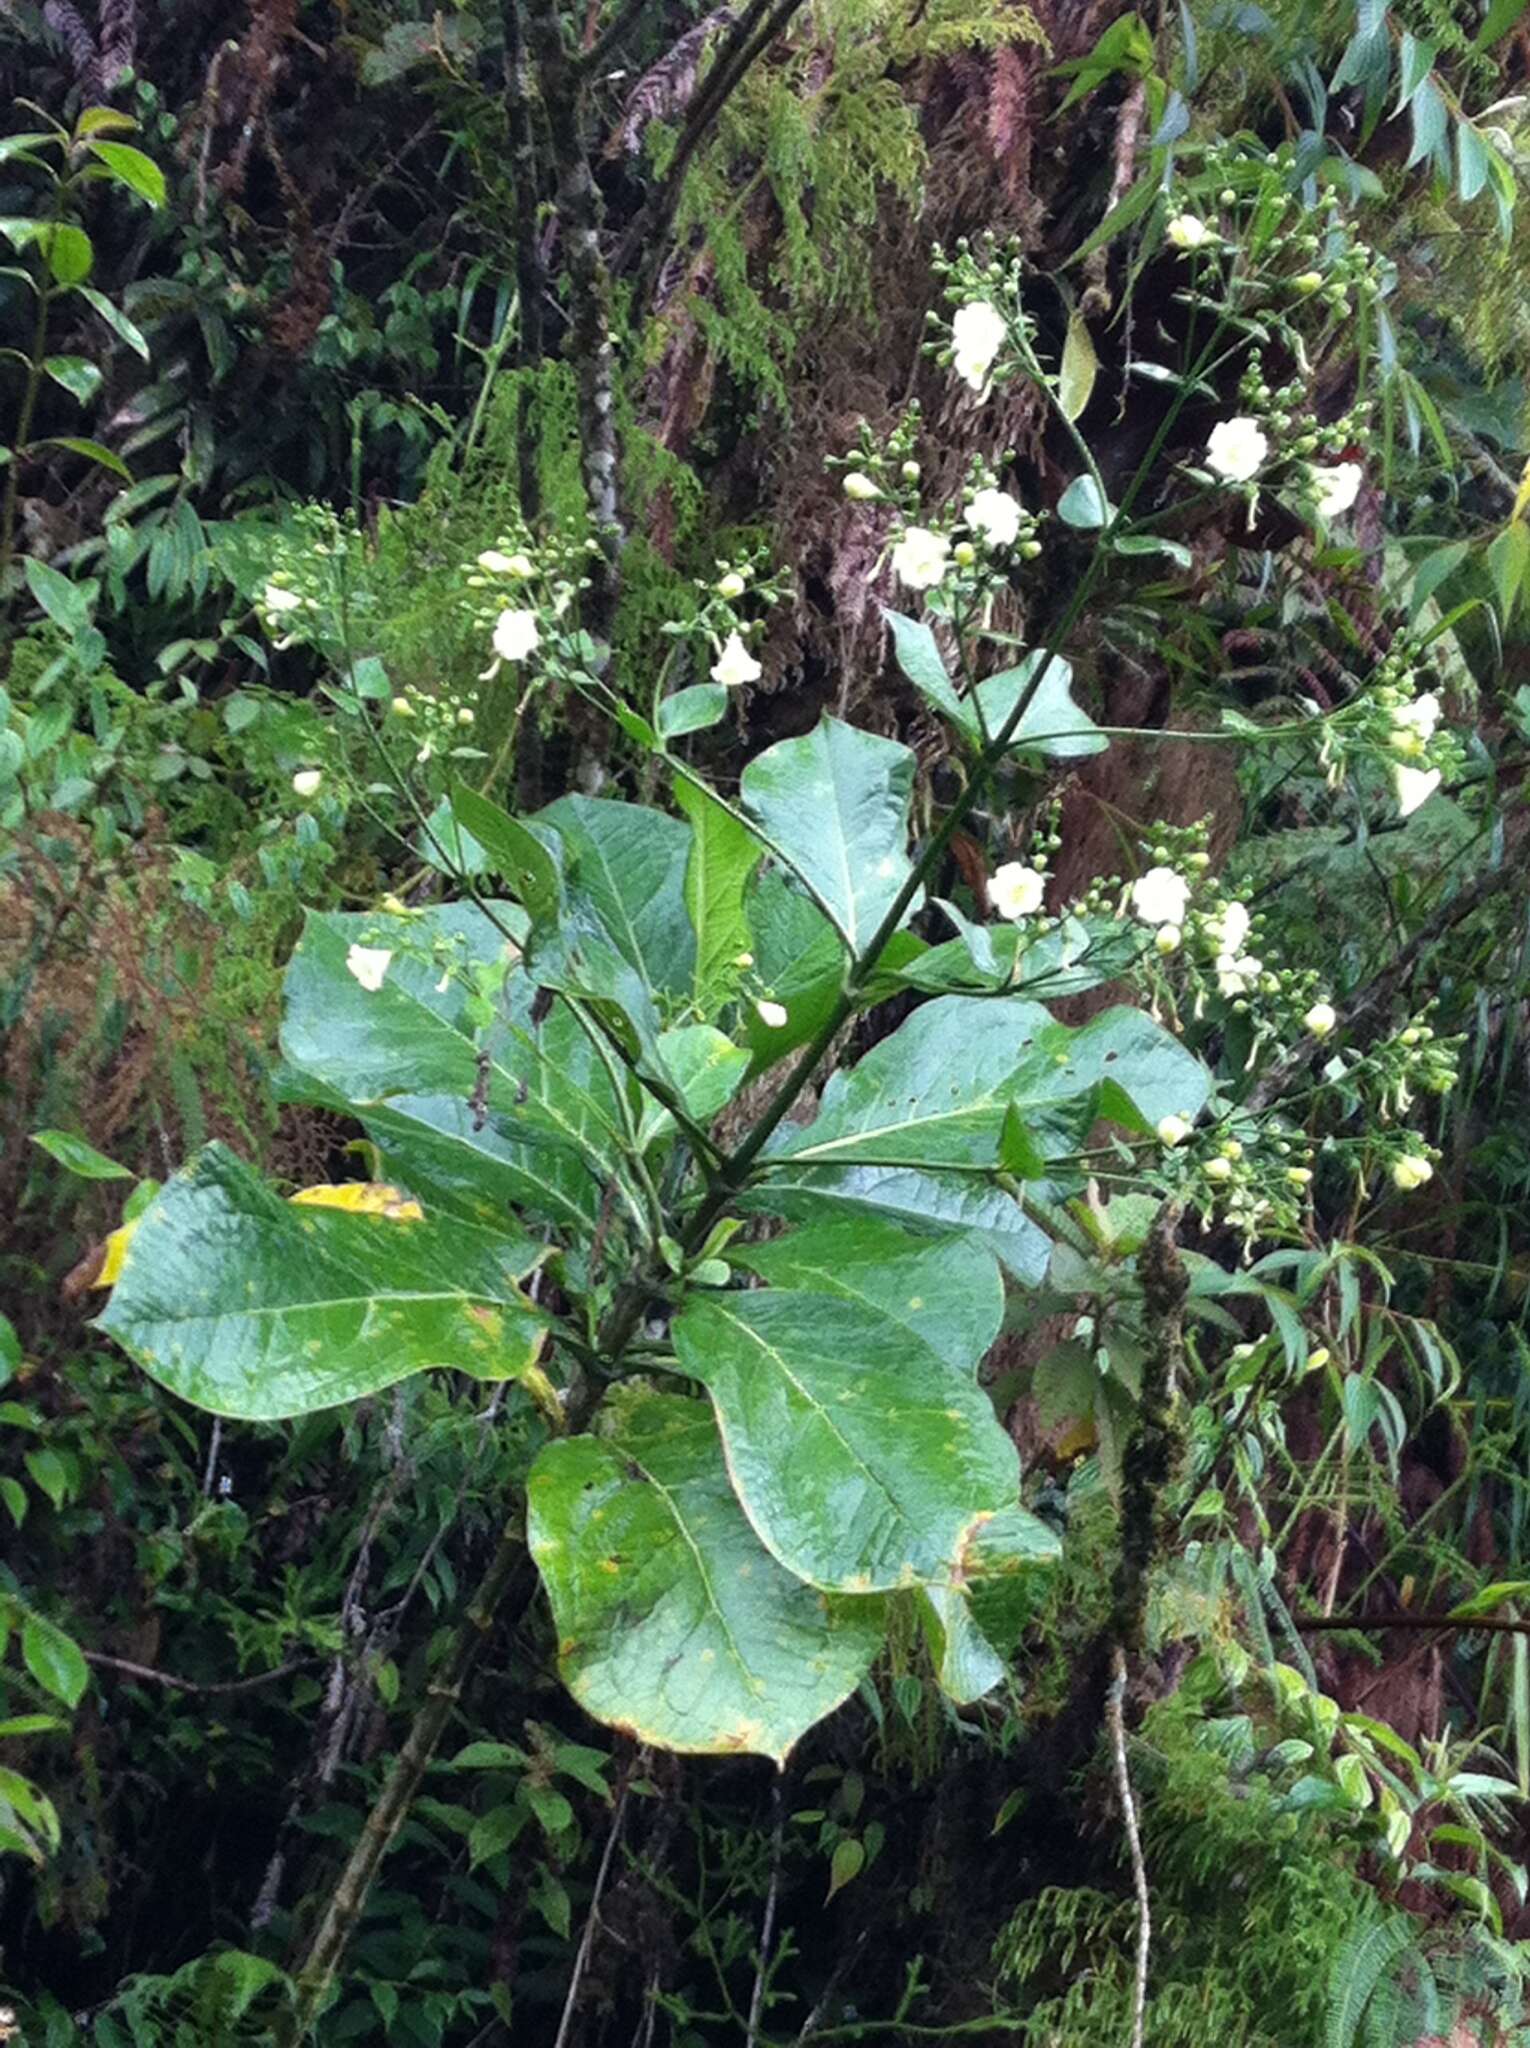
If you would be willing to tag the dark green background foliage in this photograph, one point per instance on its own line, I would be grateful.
(353, 328)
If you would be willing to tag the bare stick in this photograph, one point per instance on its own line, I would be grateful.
(150, 1676)
(1115, 1721)
(768, 1924)
(591, 1921)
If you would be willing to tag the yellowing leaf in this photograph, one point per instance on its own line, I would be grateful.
(116, 1252)
(361, 1198)
(1522, 495)
(1080, 366)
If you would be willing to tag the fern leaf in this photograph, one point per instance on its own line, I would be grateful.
(1360, 1966)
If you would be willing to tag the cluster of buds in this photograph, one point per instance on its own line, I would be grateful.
(435, 726)
(307, 572)
(1256, 1184)
(989, 337)
(721, 620)
(522, 589)
(1396, 724)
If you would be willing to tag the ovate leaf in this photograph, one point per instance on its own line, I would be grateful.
(862, 1459)
(947, 1293)
(1080, 367)
(54, 1660)
(77, 1157)
(835, 803)
(673, 1623)
(723, 855)
(248, 1305)
(132, 169)
(76, 374)
(70, 254)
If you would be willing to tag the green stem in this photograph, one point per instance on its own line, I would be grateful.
(24, 417)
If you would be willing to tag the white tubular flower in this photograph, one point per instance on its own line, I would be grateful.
(307, 782)
(1237, 449)
(977, 334)
(277, 600)
(1016, 891)
(1414, 786)
(859, 487)
(1173, 1130)
(1187, 231)
(1337, 487)
(771, 1014)
(921, 557)
(368, 964)
(401, 708)
(730, 586)
(1411, 1171)
(1160, 896)
(1421, 717)
(516, 634)
(1320, 1019)
(735, 664)
(497, 564)
(1230, 927)
(1236, 977)
(996, 516)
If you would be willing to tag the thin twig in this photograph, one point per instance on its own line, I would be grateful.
(1488, 1624)
(591, 1921)
(1115, 1721)
(150, 1676)
(768, 1923)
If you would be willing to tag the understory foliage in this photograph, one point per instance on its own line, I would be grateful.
(762, 958)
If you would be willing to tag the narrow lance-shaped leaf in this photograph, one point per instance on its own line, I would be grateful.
(673, 1623)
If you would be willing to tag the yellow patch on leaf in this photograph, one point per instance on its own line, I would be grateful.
(361, 1198)
(115, 1251)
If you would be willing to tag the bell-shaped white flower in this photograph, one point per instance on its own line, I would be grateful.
(495, 563)
(1160, 897)
(996, 516)
(368, 964)
(1168, 939)
(1237, 977)
(1015, 890)
(277, 600)
(516, 634)
(735, 664)
(1337, 486)
(307, 781)
(1422, 716)
(730, 586)
(1411, 1171)
(1230, 927)
(859, 487)
(773, 1015)
(1189, 231)
(1173, 1130)
(1414, 786)
(1237, 449)
(977, 334)
(1320, 1019)
(920, 559)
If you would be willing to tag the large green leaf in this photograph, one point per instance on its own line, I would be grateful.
(1069, 957)
(935, 1204)
(862, 1459)
(454, 1157)
(835, 803)
(799, 957)
(414, 1034)
(935, 1093)
(628, 862)
(723, 855)
(673, 1623)
(1051, 722)
(252, 1306)
(947, 1292)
